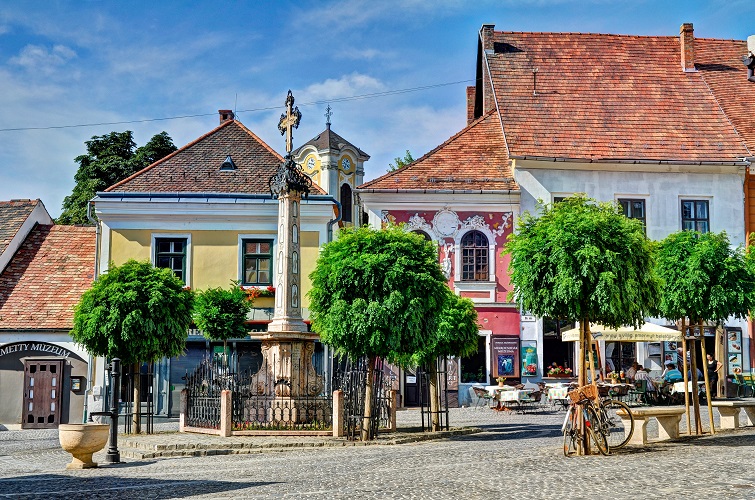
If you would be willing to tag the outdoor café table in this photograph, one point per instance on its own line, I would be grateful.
(507, 396)
(557, 394)
(678, 387)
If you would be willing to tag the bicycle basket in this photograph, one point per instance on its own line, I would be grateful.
(585, 392)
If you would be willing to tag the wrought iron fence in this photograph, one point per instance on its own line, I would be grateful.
(262, 397)
(424, 374)
(128, 411)
(266, 399)
(350, 376)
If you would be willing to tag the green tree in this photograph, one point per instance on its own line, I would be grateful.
(378, 294)
(705, 279)
(399, 162)
(221, 314)
(583, 259)
(109, 158)
(134, 312)
(456, 335)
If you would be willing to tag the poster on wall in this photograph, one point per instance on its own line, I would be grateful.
(505, 356)
(670, 352)
(529, 358)
(734, 351)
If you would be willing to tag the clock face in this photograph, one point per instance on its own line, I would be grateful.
(346, 164)
(311, 163)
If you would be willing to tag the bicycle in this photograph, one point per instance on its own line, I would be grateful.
(616, 421)
(595, 429)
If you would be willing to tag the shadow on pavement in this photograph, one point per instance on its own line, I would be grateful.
(75, 486)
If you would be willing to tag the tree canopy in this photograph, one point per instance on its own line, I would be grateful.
(134, 312)
(456, 333)
(109, 158)
(377, 293)
(221, 314)
(703, 277)
(583, 260)
(399, 162)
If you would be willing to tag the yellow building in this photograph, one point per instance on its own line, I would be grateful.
(206, 212)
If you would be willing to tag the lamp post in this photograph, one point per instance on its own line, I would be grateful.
(113, 456)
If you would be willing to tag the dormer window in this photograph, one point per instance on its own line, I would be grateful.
(228, 164)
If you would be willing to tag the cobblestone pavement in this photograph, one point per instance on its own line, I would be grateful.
(515, 456)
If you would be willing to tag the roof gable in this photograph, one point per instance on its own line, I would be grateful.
(195, 168)
(606, 97)
(46, 277)
(13, 214)
(474, 159)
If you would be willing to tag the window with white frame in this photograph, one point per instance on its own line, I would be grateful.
(258, 261)
(474, 257)
(171, 253)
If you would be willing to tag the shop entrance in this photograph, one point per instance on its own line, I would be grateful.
(554, 349)
(42, 393)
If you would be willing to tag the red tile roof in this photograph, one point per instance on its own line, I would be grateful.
(607, 97)
(46, 278)
(12, 216)
(720, 63)
(195, 168)
(473, 160)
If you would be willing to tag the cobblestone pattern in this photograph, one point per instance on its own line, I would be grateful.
(515, 456)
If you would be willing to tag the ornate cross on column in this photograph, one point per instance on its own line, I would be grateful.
(289, 121)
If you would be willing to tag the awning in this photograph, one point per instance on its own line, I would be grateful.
(649, 332)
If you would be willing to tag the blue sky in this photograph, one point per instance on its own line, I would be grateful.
(80, 62)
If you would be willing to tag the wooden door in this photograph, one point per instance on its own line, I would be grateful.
(43, 383)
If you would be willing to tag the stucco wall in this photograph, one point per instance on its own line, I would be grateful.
(662, 192)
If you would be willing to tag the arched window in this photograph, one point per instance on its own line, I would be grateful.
(423, 234)
(346, 202)
(474, 257)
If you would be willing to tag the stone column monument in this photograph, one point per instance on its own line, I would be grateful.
(287, 346)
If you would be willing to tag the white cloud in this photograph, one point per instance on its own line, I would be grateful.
(41, 59)
(360, 54)
(346, 86)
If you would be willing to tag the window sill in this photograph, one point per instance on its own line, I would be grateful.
(482, 292)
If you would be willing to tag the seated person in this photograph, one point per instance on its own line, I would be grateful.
(643, 374)
(673, 375)
(699, 374)
(632, 371)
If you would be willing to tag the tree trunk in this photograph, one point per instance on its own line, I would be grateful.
(366, 427)
(686, 377)
(434, 396)
(707, 379)
(136, 417)
(695, 398)
(584, 445)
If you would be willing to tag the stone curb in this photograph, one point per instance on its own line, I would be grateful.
(137, 448)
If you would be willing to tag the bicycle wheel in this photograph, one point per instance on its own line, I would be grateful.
(619, 430)
(571, 433)
(595, 430)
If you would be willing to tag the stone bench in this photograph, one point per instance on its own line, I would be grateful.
(668, 423)
(730, 410)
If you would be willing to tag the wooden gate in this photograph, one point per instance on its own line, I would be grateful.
(43, 384)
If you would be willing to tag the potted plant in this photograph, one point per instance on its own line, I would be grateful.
(500, 381)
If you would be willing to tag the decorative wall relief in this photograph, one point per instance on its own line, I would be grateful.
(446, 222)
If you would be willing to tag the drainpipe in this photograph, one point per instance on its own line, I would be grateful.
(90, 367)
(333, 221)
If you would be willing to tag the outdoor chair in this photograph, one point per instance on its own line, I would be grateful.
(639, 394)
(742, 386)
(482, 397)
(750, 383)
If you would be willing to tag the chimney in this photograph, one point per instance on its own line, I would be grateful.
(471, 93)
(687, 42)
(225, 115)
(749, 59)
(486, 37)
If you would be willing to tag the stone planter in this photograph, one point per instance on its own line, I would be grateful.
(81, 441)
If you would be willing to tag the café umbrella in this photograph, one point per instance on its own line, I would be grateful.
(648, 332)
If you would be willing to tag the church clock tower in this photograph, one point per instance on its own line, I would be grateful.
(336, 165)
